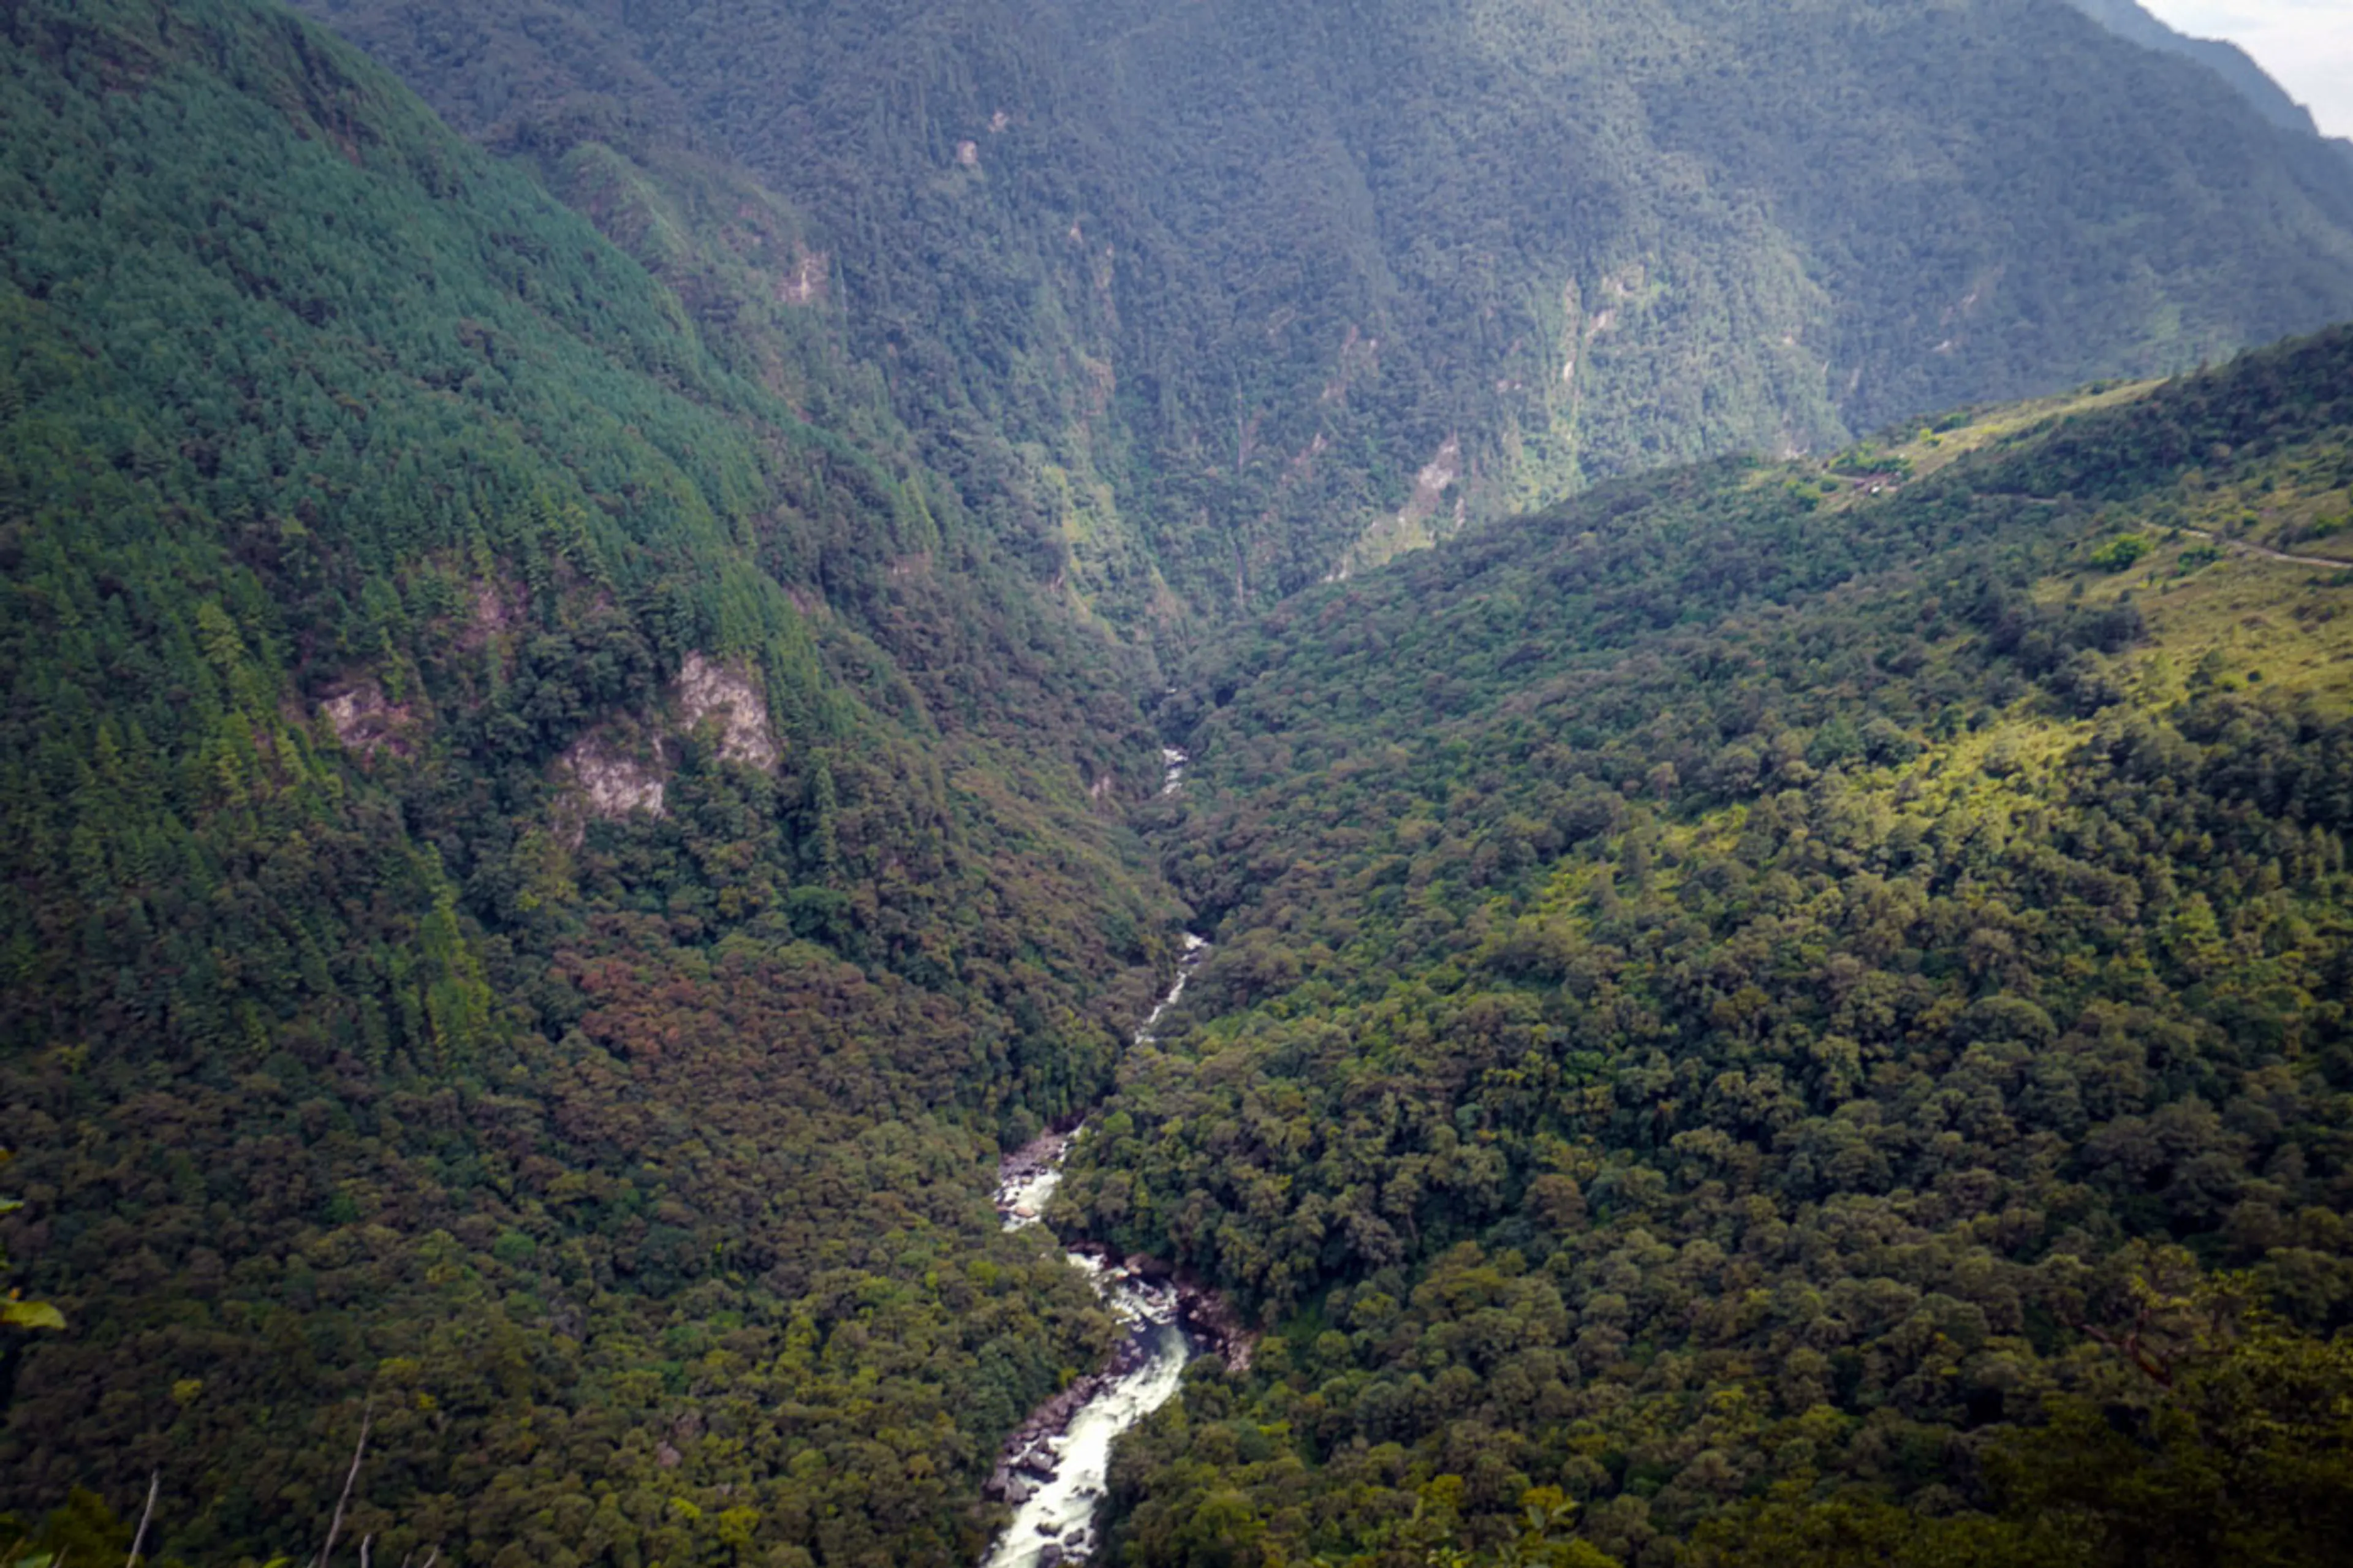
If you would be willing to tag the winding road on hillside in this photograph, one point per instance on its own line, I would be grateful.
(2239, 547)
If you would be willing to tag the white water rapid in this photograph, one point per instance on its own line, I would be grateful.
(1057, 1478)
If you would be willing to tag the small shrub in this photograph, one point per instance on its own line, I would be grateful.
(2120, 552)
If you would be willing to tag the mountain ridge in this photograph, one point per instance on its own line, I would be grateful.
(1221, 286)
(2130, 19)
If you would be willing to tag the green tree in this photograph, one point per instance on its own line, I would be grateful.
(16, 1313)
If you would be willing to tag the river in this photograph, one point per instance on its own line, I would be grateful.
(1056, 1468)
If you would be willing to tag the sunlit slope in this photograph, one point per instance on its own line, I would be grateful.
(1730, 987)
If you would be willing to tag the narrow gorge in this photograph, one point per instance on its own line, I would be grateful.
(1055, 1469)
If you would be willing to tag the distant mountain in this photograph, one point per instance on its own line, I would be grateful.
(2127, 19)
(1231, 296)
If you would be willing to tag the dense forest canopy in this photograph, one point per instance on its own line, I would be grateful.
(536, 880)
(1205, 302)
(581, 757)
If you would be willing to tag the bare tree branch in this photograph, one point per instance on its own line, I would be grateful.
(367, 1413)
(154, 1480)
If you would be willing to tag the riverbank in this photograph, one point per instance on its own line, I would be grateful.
(1056, 1466)
(1212, 1322)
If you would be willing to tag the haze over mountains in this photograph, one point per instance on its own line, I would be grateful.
(592, 604)
(2128, 19)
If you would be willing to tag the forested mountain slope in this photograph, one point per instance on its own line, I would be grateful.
(1204, 301)
(1788, 982)
(535, 880)
(572, 760)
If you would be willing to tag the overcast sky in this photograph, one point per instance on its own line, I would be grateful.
(2306, 45)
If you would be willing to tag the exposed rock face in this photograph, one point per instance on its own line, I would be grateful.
(811, 276)
(1217, 1326)
(612, 782)
(494, 614)
(618, 769)
(708, 689)
(365, 722)
(1418, 524)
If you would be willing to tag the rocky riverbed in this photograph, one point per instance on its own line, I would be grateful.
(1055, 1469)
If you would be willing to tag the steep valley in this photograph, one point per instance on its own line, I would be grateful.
(524, 917)
(621, 687)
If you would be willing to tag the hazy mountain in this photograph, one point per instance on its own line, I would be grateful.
(2127, 19)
